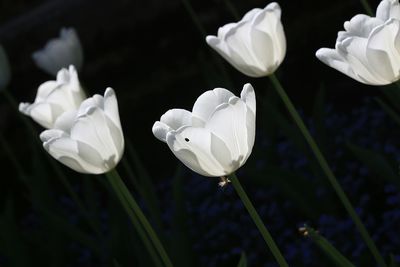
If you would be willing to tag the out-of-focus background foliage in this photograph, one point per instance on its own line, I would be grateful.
(155, 57)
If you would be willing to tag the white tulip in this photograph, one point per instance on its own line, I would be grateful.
(256, 45)
(90, 139)
(5, 73)
(60, 52)
(54, 98)
(369, 48)
(217, 137)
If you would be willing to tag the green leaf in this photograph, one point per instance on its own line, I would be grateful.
(182, 245)
(376, 163)
(327, 247)
(242, 261)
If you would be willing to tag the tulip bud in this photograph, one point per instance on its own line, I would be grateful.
(368, 50)
(255, 45)
(90, 139)
(217, 137)
(54, 98)
(60, 52)
(5, 73)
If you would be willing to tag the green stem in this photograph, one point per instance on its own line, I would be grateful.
(112, 178)
(257, 220)
(367, 7)
(59, 174)
(130, 202)
(327, 170)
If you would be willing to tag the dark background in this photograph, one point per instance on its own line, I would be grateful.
(155, 57)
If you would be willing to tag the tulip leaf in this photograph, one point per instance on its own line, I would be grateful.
(182, 245)
(327, 248)
(242, 261)
(376, 163)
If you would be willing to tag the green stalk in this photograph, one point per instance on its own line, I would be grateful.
(257, 220)
(112, 178)
(367, 7)
(327, 170)
(59, 174)
(131, 206)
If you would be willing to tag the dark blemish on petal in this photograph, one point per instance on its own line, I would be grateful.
(187, 139)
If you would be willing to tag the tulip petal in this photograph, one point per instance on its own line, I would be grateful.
(160, 131)
(384, 50)
(43, 113)
(388, 9)
(111, 107)
(354, 49)
(361, 25)
(249, 97)
(193, 146)
(209, 101)
(176, 118)
(227, 122)
(92, 129)
(77, 156)
(333, 59)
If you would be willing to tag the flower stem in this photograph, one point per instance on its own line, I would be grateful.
(134, 220)
(135, 213)
(327, 170)
(367, 7)
(257, 220)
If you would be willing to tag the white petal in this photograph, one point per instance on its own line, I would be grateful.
(206, 104)
(111, 106)
(176, 118)
(228, 122)
(361, 25)
(160, 130)
(355, 50)
(43, 113)
(383, 50)
(75, 155)
(269, 23)
(249, 97)
(388, 9)
(65, 121)
(92, 129)
(195, 147)
(333, 59)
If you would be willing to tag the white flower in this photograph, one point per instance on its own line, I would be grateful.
(54, 98)
(5, 73)
(217, 137)
(369, 48)
(60, 52)
(90, 139)
(256, 45)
